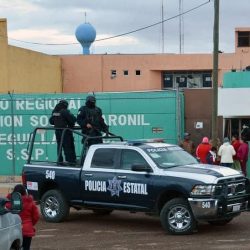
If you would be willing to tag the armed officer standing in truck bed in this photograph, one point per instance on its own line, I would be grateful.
(91, 121)
(62, 118)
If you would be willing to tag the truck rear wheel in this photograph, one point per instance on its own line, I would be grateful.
(54, 207)
(177, 218)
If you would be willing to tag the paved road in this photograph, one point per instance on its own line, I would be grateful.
(126, 231)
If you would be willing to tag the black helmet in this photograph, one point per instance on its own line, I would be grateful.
(91, 98)
(64, 103)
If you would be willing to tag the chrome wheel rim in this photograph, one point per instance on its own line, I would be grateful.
(179, 218)
(51, 207)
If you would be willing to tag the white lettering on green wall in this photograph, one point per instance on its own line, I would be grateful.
(4, 104)
(22, 139)
(39, 121)
(75, 104)
(23, 154)
(6, 121)
(40, 104)
(126, 119)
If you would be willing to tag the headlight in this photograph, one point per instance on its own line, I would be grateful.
(203, 190)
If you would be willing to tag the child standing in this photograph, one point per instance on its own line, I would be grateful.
(29, 216)
(211, 156)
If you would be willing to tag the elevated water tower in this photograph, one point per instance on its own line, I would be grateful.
(85, 34)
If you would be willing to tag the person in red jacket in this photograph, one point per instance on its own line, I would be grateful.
(202, 150)
(242, 155)
(29, 215)
(236, 144)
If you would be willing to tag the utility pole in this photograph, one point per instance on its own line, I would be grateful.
(162, 26)
(215, 73)
(181, 28)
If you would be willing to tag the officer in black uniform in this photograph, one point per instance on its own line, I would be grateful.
(91, 121)
(62, 118)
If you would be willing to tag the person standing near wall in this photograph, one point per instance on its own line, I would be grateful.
(236, 144)
(91, 121)
(202, 150)
(212, 156)
(226, 153)
(29, 216)
(187, 144)
(242, 155)
(62, 118)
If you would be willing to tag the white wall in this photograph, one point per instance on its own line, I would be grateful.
(233, 102)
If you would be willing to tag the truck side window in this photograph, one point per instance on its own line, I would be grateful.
(131, 157)
(104, 158)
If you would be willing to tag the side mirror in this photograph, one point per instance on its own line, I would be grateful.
(16, 202)
(141, 168)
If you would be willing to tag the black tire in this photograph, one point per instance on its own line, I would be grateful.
(54, 207)
(177, 217)
(16, 245)
(102, 211)
(220, 222)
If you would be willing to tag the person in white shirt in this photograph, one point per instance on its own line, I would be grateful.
(226, 153)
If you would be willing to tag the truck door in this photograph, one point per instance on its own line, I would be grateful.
(137, 187)
(96, 176)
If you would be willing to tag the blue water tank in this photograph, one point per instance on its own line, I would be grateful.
(85, 34)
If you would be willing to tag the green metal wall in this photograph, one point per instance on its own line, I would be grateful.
(236, 79)
(132, 115)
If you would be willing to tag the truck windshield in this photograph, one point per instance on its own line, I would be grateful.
(167, 157)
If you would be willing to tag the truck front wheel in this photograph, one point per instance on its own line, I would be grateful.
(177, 217)
(54, 207)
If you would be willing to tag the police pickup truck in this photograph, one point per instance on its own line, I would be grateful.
(139, 176)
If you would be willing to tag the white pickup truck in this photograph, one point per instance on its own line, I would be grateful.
(10, 224)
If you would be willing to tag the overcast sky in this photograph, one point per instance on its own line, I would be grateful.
(55, 21)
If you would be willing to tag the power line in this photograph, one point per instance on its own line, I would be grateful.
(122, 34)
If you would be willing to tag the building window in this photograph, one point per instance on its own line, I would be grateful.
(244, 39)
(187, 79)
(125, 72)
(181, 81)
(138, 72)
(167, 81)
(207, 80)
(113, 73)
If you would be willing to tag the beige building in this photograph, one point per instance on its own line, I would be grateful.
(26, 71)
(122, 72)
(192, 73)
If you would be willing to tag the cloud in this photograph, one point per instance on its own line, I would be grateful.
(128, 40)
(57, 20)
(17, 5)
(42, 35)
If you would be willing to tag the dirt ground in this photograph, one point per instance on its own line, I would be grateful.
(84, 230)
(125, 231)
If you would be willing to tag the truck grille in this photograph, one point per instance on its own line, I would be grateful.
(233, 187)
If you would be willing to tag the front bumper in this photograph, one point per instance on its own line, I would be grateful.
(211, 209)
